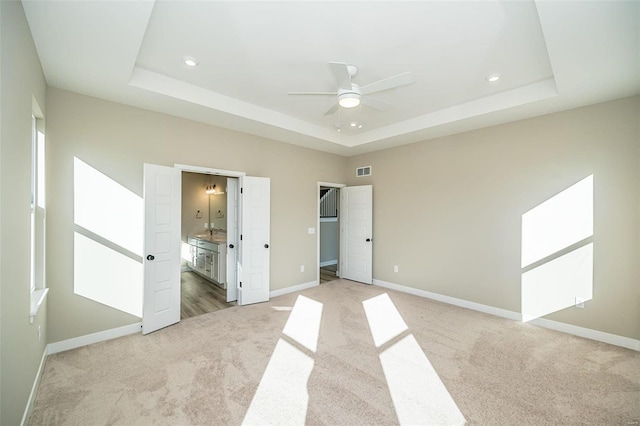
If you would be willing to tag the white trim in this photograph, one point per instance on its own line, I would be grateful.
(89, 339)
(451, 300)
(328, 219)
(588, 333)
(209, 170)
(600, 336)
(38, 297)
(331, 185)
(292, 289)
(34, 389)
(329, 262)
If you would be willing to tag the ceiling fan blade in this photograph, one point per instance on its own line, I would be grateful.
(375, 103)
(332, 110)
(341, 72)
(312, 93)
(388, 83)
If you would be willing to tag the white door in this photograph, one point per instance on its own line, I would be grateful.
(232, 238)
(356, 229)
(253, 279)
(162, 198)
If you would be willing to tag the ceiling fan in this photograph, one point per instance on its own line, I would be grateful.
(350, 94)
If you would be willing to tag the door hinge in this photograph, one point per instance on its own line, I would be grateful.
(241, 190)
(240, 284)
(240, 237)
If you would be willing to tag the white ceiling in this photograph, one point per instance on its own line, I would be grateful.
(551, 55)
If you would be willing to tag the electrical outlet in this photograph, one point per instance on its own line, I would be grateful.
(206, 225)
(579, 302)
(395, 268)
(301, 268)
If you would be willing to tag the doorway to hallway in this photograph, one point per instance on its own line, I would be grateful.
(329, 233)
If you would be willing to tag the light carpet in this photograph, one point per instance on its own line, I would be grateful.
(206, 370)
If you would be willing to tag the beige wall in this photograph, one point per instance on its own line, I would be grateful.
(21, 81)
(117, 140)
(448, 211)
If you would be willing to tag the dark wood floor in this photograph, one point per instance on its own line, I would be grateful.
(328, 273)
(200, 296)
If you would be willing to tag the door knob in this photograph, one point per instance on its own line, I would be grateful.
(368, 240)
(231, 246)
(266, 246)
(151, 257)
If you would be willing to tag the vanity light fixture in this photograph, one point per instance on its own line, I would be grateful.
(492, 78)
(190, 61)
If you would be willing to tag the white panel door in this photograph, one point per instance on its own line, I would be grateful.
(255, 233)
(162, 198)
(233, 195)
(356, 229)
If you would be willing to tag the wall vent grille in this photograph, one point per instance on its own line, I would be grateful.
(363, 171)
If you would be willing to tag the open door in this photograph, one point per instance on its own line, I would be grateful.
(253, 271)
(356, 229)
(162, 198)
(232, 239)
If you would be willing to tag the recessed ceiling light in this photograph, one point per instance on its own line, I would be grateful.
(492, 78)
(359, 126)
(190, 61)
(353, 124)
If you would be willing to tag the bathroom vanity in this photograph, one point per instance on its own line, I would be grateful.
(208, 256)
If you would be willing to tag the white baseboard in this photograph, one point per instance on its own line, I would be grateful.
(294, 288)
(101, 336)
(329, 262)
(32, 396)
(600, 336)
(588, 333)
(451, 300)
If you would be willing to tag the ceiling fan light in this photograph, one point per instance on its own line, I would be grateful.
(349, 100)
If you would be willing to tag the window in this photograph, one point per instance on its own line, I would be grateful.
(38, 216)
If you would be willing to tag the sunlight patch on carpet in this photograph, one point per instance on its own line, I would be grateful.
(303, 324)
(384, 319)
(282, 396)
(418, 394)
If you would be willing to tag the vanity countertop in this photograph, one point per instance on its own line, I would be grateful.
(219, 237)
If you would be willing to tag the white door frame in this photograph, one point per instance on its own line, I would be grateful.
(209, 170)
(326, 185)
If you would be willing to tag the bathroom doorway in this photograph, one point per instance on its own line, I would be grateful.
(204, 236)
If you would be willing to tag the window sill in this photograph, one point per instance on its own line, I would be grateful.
(37, 299)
